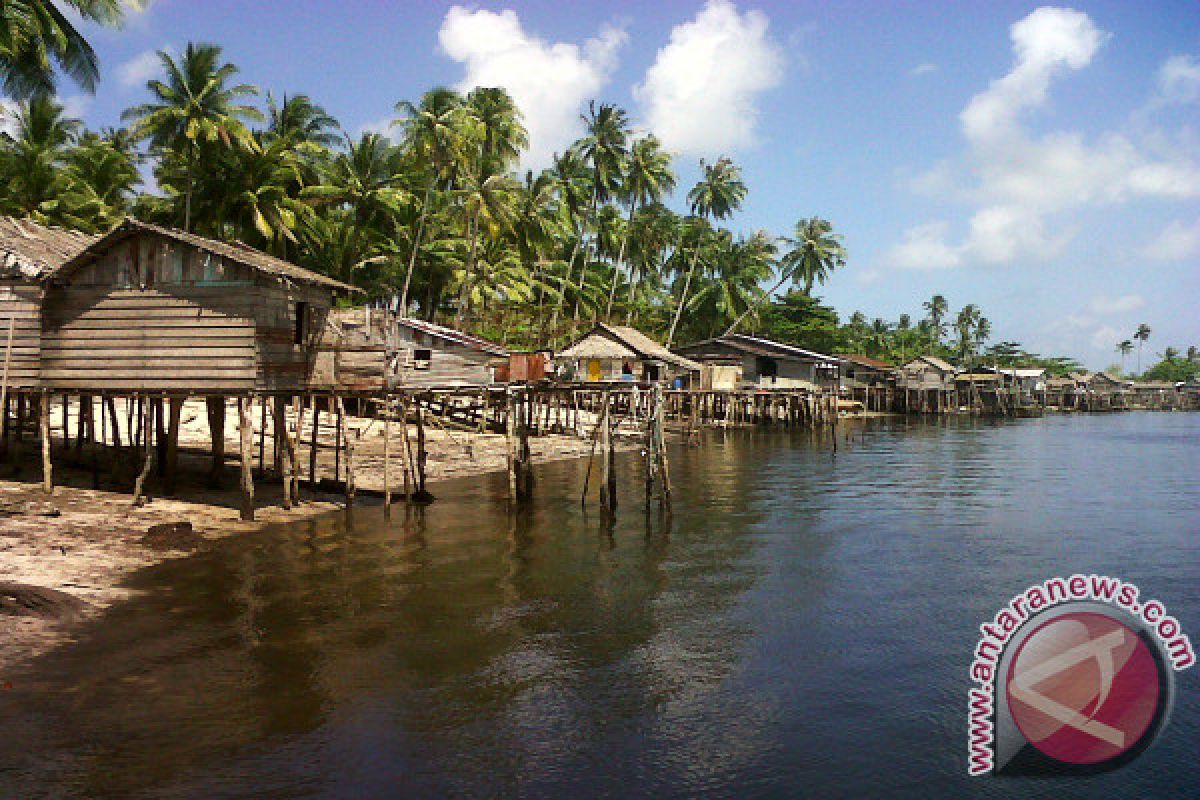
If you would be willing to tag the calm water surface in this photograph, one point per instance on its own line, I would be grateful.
(801, 627)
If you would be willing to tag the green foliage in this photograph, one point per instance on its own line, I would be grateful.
(1172, 367)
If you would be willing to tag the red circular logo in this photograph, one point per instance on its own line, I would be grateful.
(1083, 688)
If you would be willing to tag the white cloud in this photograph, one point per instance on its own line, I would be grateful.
(1179, 80)
(1116, 305)
(1177, 241)
(1018, 179)
(924, 247)
(76, 106)
(1106, 337)
(550, 81)
(136, 71)
(923, 69)
(700, 95)
(383, 126)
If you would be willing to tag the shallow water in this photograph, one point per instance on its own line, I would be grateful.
(802, 626)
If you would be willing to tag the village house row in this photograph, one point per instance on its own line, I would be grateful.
(146, 308)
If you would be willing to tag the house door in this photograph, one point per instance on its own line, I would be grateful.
(594, 373)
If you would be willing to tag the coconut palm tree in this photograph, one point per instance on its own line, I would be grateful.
(105, 172)
(816, 251)
(1124, 347)
(719, 193)
(605, 149)
(654, 234)
(647, 179)
(501, 135)
(364, 178)
(982, 332)
(195, 107)
(572, 181)
(488, 206)
(964, 325)
(35, 35)
(732, 289)
(32, 164)
(936, 308)
(1142, 334)
(300, 121)
(433, 133)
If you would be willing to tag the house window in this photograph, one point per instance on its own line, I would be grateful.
(766, 367)
(301, 322)
(421, 358)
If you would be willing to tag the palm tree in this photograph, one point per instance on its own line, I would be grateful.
(983, 331)
(936, 307)
(433, 132)
(1124, 347)
(104, 172)
(501, 134)
(573, 184)
(487, 202)
(35, 33)
(1142, 334)
(654, 234)
(300, 121)
(365, 179)
(605, 148)
(965, 325)
(734, 287)
(719, 193)
(32, 162)
(648, 177)
(195, 106)
(816, 251)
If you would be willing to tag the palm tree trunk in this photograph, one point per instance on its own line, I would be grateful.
(583, 266)
(612, 290)
(412, 258)
(187, 197)
(757, 304)
(687, 282)
(463, 292)
(562, 294)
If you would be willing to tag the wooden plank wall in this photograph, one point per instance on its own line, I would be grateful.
(20, 301)
(282, 363)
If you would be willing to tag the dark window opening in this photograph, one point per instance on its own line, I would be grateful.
(301, 322)
(421, 358)
(652, 372)
(766, 367)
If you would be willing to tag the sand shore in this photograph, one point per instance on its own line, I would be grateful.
(85, 542)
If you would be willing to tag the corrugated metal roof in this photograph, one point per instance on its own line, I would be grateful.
(762, 347)
(237, 252)
(866, 361)
(452, 335)
(30, 250)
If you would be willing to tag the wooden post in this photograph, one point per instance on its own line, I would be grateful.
(139, 485)
(111, 402)
(510, 424)
(215, 406)
(160, 438)
(47, 467)
(279, 424)
(294, 447)
(422, 454)
(406, 446)
(176, 407)
(608, 478)
(387, 448)
(349, 446)
(313, 444)
(338, 435)
(246, 450)
(262, 438)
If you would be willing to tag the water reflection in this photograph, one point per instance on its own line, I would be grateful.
(801, 623)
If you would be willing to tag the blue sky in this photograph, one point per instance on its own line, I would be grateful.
(1041, 162)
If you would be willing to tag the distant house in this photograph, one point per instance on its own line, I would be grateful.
(365, 348)
(146, 307)
(860, 372)
(927, 372)
(28, 252)
(620, 353)
(742, 361)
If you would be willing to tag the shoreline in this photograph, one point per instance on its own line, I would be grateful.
(86, 542)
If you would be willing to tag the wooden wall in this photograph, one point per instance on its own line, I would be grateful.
(152, 314)
(20, 303)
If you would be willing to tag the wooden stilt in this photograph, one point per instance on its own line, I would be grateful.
(281, 450)
(139, 485)
(294, 447)
(349, 447)
(313, 444)
(47, 467)
(246, 451)
(172, 449)
(215, 407)
(387, 454)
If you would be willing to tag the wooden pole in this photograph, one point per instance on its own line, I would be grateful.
(510, 424)
(47, 467)
(176, 408)
(246, 451)
(406, 446)
(387, 448)
(282, 462)
(349, 446)
(139, 485)
(313, 445)
(294, 447)
(215, 406)
(422, 454)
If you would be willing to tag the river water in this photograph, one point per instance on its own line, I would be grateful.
(801, 626)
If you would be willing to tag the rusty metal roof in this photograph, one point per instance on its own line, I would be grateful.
(452, 335)
(30, 250)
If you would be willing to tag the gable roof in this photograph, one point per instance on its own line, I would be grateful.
(452, 335)
(30, 250)
(866, 361)
(236, 252)
(757, 346)
(624, 342)
(933, 361)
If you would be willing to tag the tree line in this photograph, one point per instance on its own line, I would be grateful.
(434, 219)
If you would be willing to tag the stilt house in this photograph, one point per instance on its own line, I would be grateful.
(148, 308)
(28, 251)
(620, 353)
(761, 364)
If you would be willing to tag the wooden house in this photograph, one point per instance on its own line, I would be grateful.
(151, 308)
(762, 364)
(863, 372)
(927, 373)
(620, 353)
(28, 251)
(435, 355)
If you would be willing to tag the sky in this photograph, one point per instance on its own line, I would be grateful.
(1042, 162)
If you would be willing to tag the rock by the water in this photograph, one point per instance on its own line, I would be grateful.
(22, 600)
